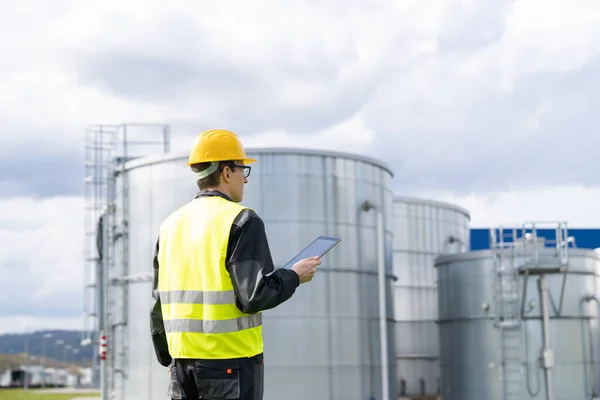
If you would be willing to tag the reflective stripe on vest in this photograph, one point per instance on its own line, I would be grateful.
(225, 326)
(197, 299)
(197, 296)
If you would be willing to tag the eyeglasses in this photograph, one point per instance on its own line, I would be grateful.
(246, 168)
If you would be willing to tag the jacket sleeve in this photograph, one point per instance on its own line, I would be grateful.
(249, 264)
(157, 327)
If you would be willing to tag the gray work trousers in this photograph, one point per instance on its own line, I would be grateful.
(235, 379)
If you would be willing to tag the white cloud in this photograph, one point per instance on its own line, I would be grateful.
(551, 35)
(41, 259)
(351, 136)
(575, 204)
(482, 113)
(448, 74)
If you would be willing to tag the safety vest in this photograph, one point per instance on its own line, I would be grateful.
(198, 303)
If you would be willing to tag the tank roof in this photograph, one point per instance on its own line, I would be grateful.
(161, 158)
(418, 200)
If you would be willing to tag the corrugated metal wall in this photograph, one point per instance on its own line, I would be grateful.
(423, 229)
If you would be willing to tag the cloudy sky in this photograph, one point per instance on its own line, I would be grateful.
(490, 105)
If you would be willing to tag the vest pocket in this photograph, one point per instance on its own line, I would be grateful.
(218, 383)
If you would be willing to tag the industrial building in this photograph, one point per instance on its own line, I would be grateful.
(38, 376)
(403, 307)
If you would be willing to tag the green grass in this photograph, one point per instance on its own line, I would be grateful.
(34, 394)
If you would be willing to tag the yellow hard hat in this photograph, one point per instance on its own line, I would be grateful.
(217, 145)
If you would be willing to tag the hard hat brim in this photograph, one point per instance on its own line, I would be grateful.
(244, 161)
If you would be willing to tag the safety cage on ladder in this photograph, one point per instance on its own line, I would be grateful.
(107, 149)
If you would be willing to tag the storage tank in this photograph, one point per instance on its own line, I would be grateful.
(500, 328)
(323, 343)
(423, 229)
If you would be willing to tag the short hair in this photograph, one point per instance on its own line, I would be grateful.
(214, 179)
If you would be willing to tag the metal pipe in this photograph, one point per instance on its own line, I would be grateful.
(582, 331)
(547, 351)
(359, 257)
(102, 326)
(383, 336)
(532, 393)
(382, 307)
(593, 394)
(562, 291)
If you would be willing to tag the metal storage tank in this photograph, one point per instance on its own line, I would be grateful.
(324, 342)
(423, 229)
(499, 328)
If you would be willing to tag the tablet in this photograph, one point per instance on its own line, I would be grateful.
(318, 248)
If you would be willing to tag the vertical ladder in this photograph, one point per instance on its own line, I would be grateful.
(512, 362)
(107, 147)
(506, 281)
(99, 143)
(508, 311)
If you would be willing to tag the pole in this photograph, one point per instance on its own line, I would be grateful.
(102, 316)
(382, 308)
(43, 361)
(383, 332)
(25, 382)
(101, 326)
(547, 351)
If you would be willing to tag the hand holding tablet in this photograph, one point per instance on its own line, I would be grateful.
(306, 268)
(305, 262)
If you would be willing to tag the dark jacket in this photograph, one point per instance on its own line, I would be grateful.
(248, 263)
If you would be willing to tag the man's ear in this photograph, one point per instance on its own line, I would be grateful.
(227, 174)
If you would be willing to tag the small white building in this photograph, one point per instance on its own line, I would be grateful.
(5, 378)
(86, 377)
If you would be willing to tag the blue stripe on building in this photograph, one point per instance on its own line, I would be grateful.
(587, 238)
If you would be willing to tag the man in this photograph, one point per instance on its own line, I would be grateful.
(213, 275)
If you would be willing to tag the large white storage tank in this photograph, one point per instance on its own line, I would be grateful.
(324, 342)
(423, 229)
(504, 336)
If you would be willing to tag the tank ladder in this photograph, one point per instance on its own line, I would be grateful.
(99, 144)
(506, 279)
(107, 148)
(519, 254)
(507, 301)
(512, 362)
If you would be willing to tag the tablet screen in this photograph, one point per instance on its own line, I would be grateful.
(317, 248)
